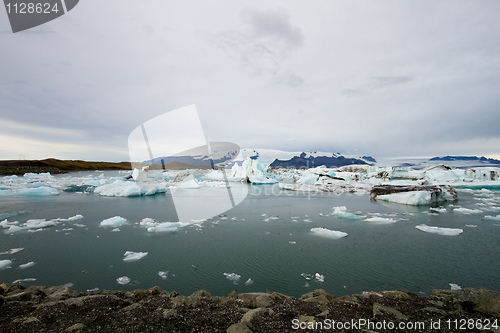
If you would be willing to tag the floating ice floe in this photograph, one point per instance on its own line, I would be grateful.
(438, 209)
(69, 219)
(133, 256)
(19, 281)
(454, 286)
(319, 278)
(491, 218)
(123, 188)
(163, 274)
(233, 277)
(439, 230)
(341, 212)
(467, 210)
(249, 282)
(30, 192)
(5, 264)
(414, 195)
(116, 230)
(38, 223)
(27, 265)
(123, 280)
(328, 233)
(12, 251)
(114, 221)
(380, 220)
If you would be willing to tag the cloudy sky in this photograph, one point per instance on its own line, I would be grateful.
(383, 78)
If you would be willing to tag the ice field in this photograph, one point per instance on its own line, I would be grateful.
(289, 231)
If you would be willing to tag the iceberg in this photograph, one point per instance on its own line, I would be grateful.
(5, 264)
(140, 175)
(328, 233)
(38, 224)
(27, 265)
(123, 188)
(414, 195)
(467, 211)
(455, 286)
(134, 256)
(341, 212)
(29, 192)
(491, 218)
(439, 231)
(249, 282)
(12, 251)
(163, 274)
(255, 171)
(232, 277)
(114, 221)
(380, 220)
(166, 227)
(123, 280)
(69, 219)
(319, 277)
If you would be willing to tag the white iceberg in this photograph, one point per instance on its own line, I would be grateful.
(163, 274)
(380, 220)
(232, 277)
(123, 280)
(467, 210)
(341, 212)
(114, 221)
(328, 233)
(166, 227)
(439, 231)
(12, 251)
(27, 265)
(454, 286)
(38, 224)
(249, 282)
(69, 219)
(123, 188)
(255, 171)
(5, 264)
(133, 256)
(319, 278)
(140, 175)
(491, 218)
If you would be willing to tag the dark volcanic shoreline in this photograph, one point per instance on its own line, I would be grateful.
(59, 309)
(55, 166)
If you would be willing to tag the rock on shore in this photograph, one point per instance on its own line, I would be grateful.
(59, 309)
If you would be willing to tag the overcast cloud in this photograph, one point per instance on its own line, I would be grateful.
(380, 78)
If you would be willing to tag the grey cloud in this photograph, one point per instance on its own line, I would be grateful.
(385, 81)
(265, 41)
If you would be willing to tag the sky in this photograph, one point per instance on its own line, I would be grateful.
(389, 79)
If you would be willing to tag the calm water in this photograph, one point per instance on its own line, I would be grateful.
(273, 250)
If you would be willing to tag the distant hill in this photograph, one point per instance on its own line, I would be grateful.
(55, 166)
(305, 161)
(466, 158)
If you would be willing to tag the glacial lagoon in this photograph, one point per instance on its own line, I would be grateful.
(264, 243)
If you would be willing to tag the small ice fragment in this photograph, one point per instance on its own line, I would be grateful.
(380, 220)
(93, 289)
(467, 210)
(292, 242)
(116, 229)
(308, 220)
(24, 280)
(455, 286)
(439, 231)
(27, 265)
(306, 276)
(5, 264)
(491, 218)
(12, 251)
(113, 221)
(69, 285)
(249, 282)
(328, 233)
(133, 256)
(306, 285)
(123, 280)
(232, 277)
(319, 277)
(471, 225)
(163, 274)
